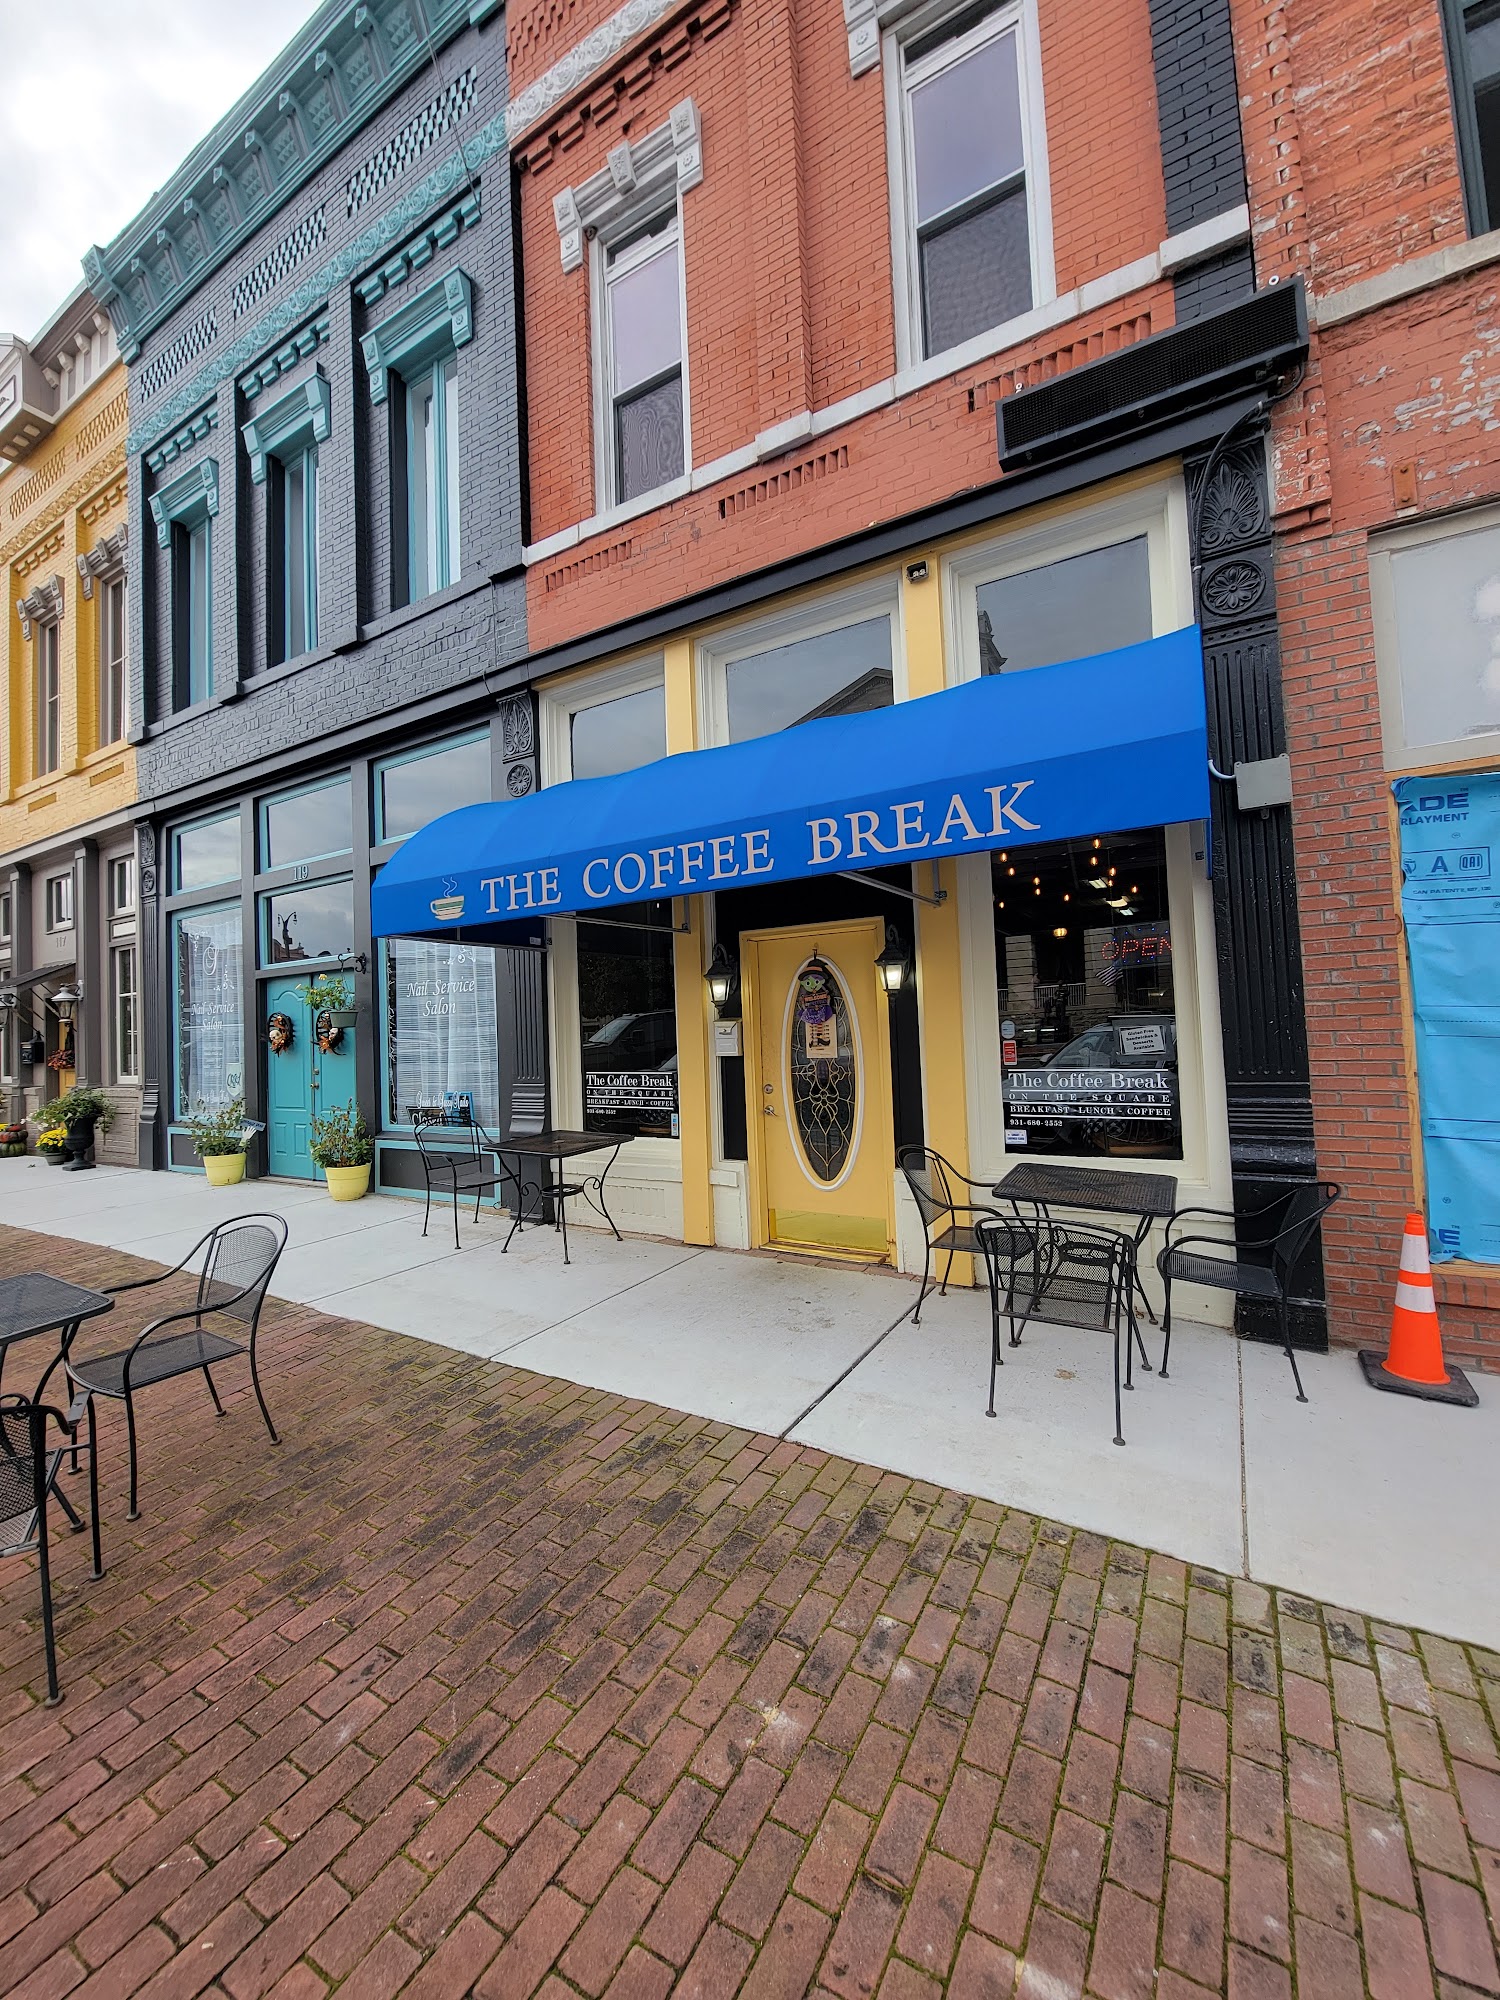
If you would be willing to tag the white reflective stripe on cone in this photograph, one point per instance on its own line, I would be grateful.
(1414, 1256)
(1416, 1298)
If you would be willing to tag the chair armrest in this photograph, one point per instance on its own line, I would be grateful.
(1212, 1242)
(137, 1284)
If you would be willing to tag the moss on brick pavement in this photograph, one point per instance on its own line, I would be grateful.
(484, 1681)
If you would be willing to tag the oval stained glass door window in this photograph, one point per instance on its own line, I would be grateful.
(821, 1064)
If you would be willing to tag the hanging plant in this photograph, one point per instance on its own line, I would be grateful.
(281, 1032)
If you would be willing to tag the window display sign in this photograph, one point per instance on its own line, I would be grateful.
(441, 1035)
(1450, 838)
(1133, 948)
(210, 1007)
(640, 1100)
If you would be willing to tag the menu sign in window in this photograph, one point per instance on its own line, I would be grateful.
(639, 1100)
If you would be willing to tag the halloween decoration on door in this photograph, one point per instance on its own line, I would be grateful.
(281, 1032)
(328, 1032)
(821, 1062)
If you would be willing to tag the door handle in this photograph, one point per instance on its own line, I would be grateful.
(769, 1110)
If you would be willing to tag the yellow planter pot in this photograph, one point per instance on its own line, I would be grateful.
(348, 1183)
(224, 1169)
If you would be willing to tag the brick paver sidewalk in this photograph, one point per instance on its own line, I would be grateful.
(487, 1682)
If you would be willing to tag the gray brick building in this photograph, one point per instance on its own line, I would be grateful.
(326, 494)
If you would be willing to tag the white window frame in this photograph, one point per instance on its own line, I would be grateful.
(105, 590)
(5, 917)
(912, 24)
(1465, 752)
(63, 884)
(877, 596)
(127, 863)
(46, 652)
(1158, 511)
(560, 702)
(123, 1072)
(637, 217)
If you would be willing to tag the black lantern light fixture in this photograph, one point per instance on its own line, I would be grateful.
(892, 962)
(723, 978)
(65, 1003)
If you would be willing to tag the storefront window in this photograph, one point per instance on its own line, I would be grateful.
(1088, 1029)
(209, 1006)
(835, 673)
(207, 853)
(306, 826)
(440, 1033)
(1067, 610)
(312, 922)
(411, 791)
(628, 1024)
(619, 735)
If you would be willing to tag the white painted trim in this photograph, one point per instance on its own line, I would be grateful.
(628, 218)
(1404, 280)
(785, 436)
(635, 177)
(583, 60)
(1400, 755)
(560, 701)
(1205, 239)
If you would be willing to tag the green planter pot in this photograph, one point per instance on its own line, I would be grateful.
(224, 1169)
(348, 1183)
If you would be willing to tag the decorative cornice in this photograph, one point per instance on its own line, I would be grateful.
(106, 556)
(862, 22)
(325, 87)
(184, 495)
(303, 412)
(42, 606)
(419, 250)
(670, 156)
(454, 172)
(182, 440)
(79, 494)
(442, 312)
(582, 61)
(306, 340)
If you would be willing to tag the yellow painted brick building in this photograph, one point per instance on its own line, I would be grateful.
(70, 973)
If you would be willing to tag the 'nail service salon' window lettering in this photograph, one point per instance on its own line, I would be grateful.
(1067, 610)
(1088, 1028)
(628, 1024)
(440, 1032)
(209, 1006)
(834, 673)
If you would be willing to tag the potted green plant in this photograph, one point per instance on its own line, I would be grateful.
(343, 1148)
(51, 1145)
(78, 1111)
(218, 1135)
(329, 994)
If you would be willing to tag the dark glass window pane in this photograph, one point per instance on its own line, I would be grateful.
(1083, 948)
(423, 788)
(312, 922)
(645, 316)
(299, 522)
(198, 614)
(1066, 610)
(205, 854)
(966, 128)
(209, 1007)
(619, 735)
(306, 826)
(628, 1024)
(440, 1028)
(648, 439)
(836, 673)
(976, 272)
(112, 661)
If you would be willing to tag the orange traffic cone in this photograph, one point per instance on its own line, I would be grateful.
(1414, 1364)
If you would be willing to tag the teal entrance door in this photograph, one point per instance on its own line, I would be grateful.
(300, 1080)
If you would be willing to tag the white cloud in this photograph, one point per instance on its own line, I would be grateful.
(101, 108)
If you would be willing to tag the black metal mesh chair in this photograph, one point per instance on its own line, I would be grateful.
(28, 1476)
(948, 1223)
(1072, 1275)
(238, 1259)
(1265, 1274)
(459, 1158)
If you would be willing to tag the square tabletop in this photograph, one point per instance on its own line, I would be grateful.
(558, 1145)
(36, 1302)
(1150, 1196)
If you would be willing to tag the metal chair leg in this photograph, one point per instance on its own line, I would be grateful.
(135, 1513)
(427, 1210)
(916, 1318)
(1166, 1322)
(562, 1212)
(947, 1274)
(212, 1390)
(94, 1489)
(997, 1359)
(1119, 1425)
(44, 1566)
(260, 1396)
(1286, 1339)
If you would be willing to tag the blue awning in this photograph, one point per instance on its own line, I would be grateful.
(1090, 746)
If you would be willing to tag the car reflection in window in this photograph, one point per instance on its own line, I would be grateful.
(632, 1041)
(1113, 1089)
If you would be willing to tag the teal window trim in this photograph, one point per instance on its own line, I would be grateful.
(185, 499)
(303, 416)
(296, 521)
(384, 764)
(205, 889)
(439, 320)
(174, 932)
(263, 812)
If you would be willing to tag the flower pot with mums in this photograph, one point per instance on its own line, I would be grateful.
(78, 1111)
(343, 1148)
(219, 1136)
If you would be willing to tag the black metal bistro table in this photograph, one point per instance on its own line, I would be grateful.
(558, 1147)
(1148, 1197)
(34, 1302)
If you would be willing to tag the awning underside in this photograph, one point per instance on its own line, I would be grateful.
(1090, 746)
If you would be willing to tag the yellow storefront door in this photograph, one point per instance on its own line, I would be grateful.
(818, 1084)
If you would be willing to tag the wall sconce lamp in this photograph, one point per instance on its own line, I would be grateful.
(892, 962)
(723, 978)
(65, 1002)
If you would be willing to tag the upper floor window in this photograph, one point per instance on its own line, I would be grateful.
(420, 786)
(966, 231)
(122, 885)
(48, 746)
(644, 440)
(432, 502)
(5, 918)
(817, 660)
(1474, 41)
(294, 500)
(206, 853)
(58, 902)
(183, 510)
(111, 660)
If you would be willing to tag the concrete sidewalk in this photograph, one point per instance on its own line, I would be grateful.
(1376, 1503)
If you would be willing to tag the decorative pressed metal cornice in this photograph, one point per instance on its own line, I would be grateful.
(185, 436)
(441, 315)
(104, 558)
(42, 606)
(303, 412)
(324, 88)
(306, 340)
(582, 61)
(182, 497)
(418, 251)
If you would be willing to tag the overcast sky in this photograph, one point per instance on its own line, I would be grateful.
(103, 100)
